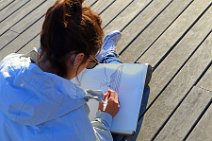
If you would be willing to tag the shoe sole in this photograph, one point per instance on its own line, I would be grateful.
(111, 34)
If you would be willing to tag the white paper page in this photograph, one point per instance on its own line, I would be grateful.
(128, 80)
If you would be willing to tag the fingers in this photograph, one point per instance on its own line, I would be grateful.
(114, 98)
(111, 103)
(106, 95)
(113, 95)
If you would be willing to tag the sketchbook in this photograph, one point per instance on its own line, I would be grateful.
(128, 81)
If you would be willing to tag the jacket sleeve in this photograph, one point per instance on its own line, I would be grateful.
(101, 126)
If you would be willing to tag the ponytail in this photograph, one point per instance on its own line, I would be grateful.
(70, 27)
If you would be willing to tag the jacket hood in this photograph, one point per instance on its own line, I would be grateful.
(30, 96)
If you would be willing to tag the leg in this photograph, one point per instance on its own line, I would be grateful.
(108, 55)
(108, 52)
(111, 58)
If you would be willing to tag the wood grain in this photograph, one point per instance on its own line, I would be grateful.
(185, 116)
(202, 132)
(171, 96)
(154, 31)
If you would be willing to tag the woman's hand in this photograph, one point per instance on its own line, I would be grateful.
(110, 104)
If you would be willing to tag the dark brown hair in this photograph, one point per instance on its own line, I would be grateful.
(68, 28)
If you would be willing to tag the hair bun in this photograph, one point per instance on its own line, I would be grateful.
(73, 11)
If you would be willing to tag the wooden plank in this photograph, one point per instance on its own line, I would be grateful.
(179, 55)
(100, 6)
(114, 10)
(23, 39)
(185, 116)
(165, 43)
(6, 12)
(7, 37)
(32, 17)
(90, 2)
(202, 132)
(141, 21)
(152, 33)
(206, 81)
(131, 11)
(28, 47)
(171, 96)
(20, 14)
(5, 3)
(35, 42)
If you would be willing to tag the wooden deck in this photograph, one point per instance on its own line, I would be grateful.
(174, 36)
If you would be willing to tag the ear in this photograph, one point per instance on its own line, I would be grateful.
(78, 59)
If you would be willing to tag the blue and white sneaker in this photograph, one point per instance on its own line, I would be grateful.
(109, 45)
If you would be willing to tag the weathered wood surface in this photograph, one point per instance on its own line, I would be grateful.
(154, 31)
(160, 111)
(32, 17)
(172, 35)
(29, 46)
(22, 39)
(179, 55)
(114, 10)
(101, 6)
(91, 2)
(6, 38)
(206, 81)
(19, 14)
(10, 9)
(127, 15)
(5, 3)
(178, 29)
(202, 131)
(185, 116)
(141, 22)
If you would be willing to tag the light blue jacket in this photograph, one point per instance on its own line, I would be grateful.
(40, 106)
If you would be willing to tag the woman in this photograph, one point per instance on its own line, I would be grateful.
(38, 102)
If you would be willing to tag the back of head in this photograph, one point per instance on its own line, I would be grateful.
(68, 28)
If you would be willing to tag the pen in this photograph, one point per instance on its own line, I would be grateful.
(105, 102)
